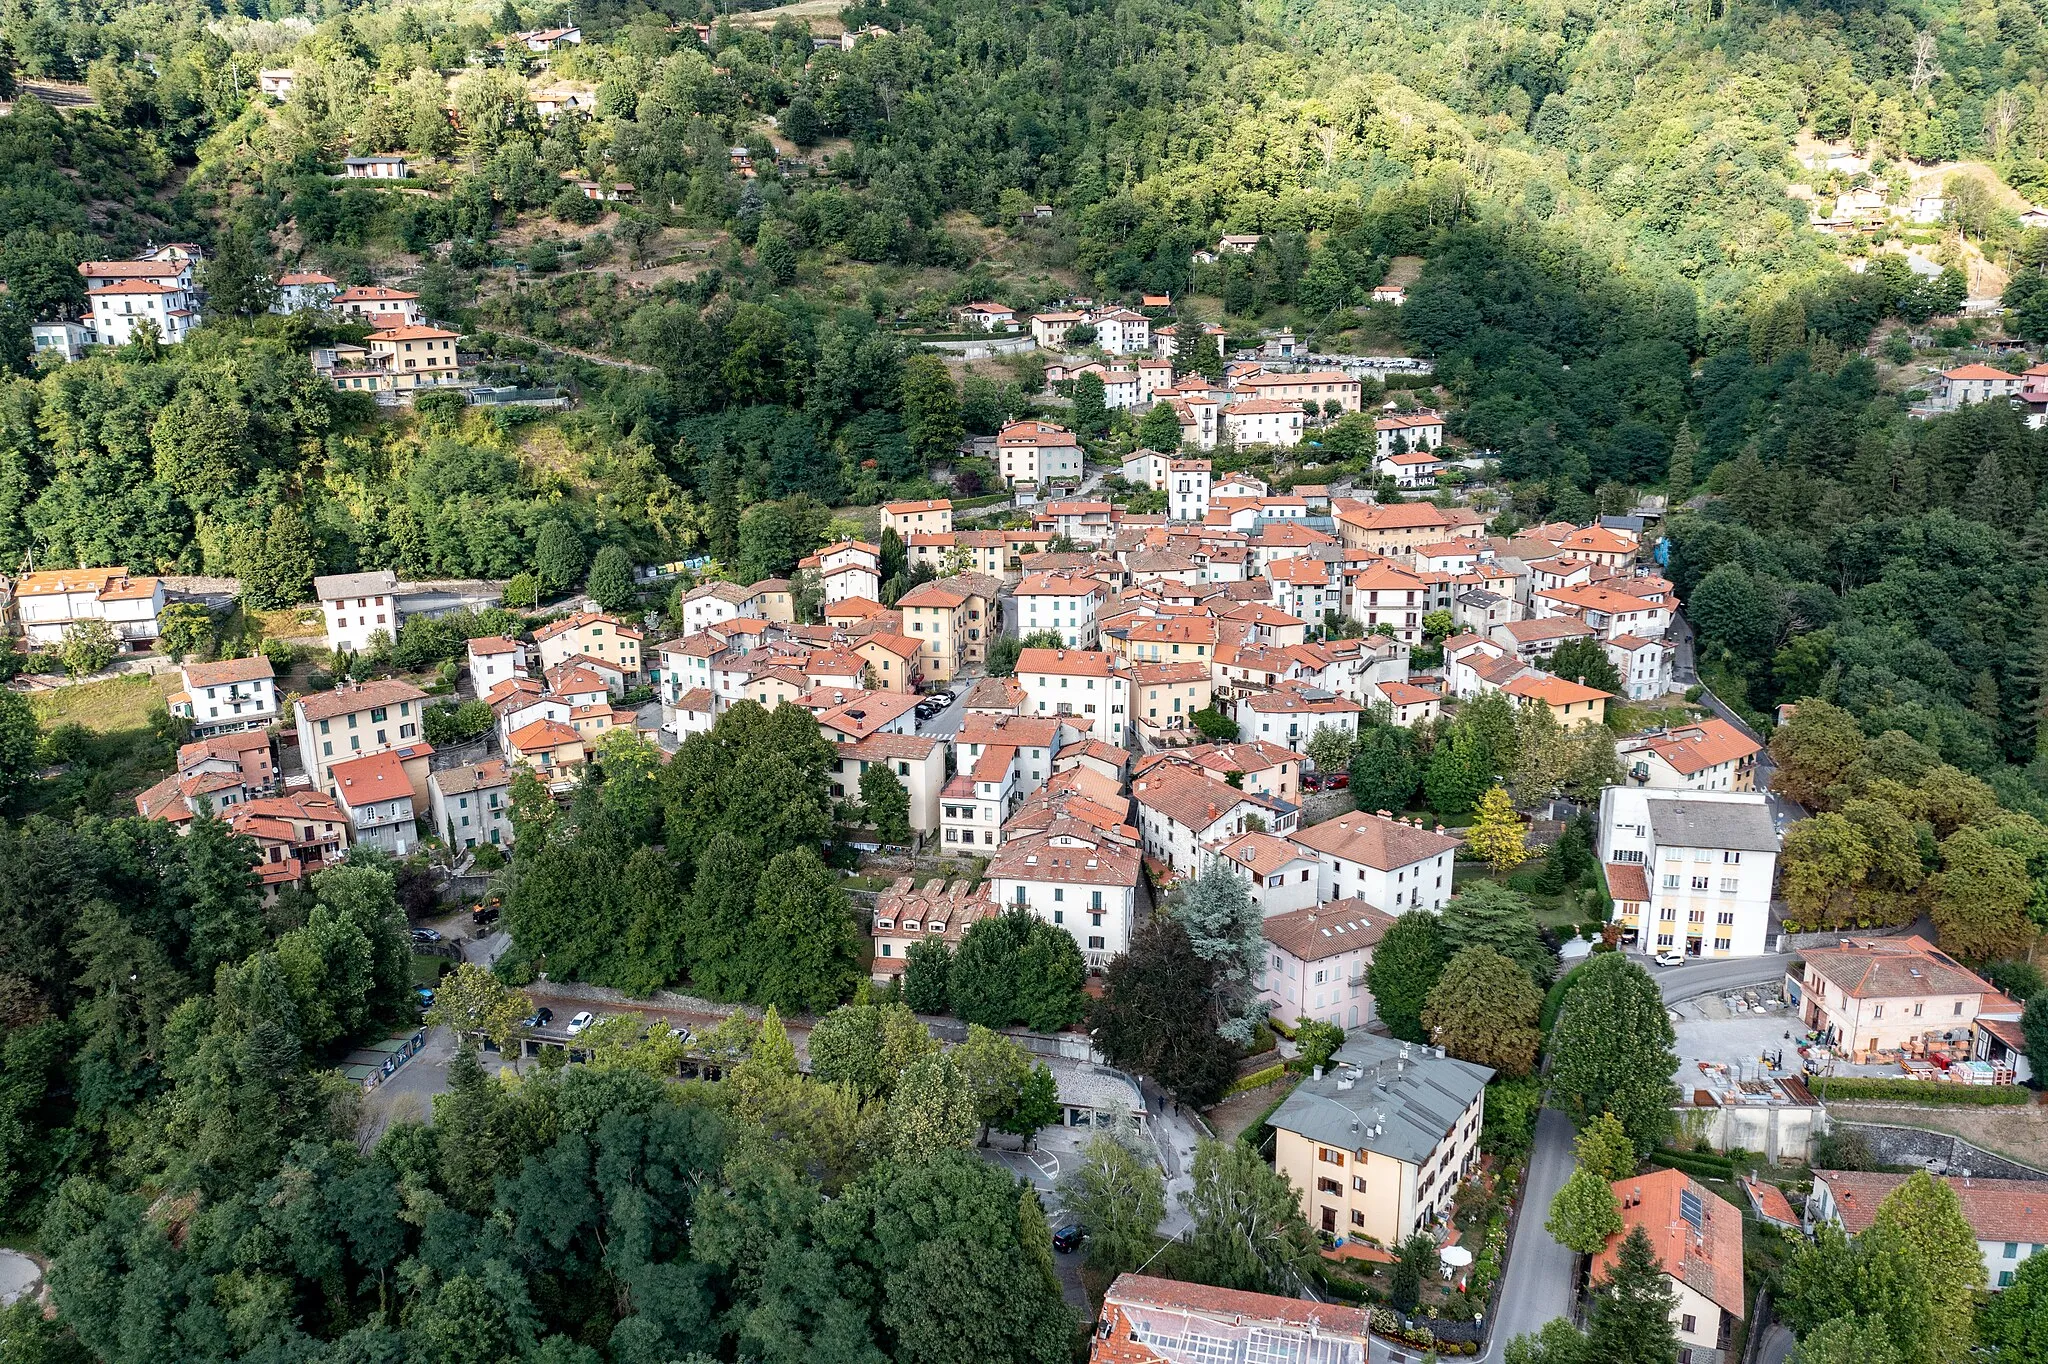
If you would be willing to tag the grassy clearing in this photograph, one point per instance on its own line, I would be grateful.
(1561, 913)
(119, 703)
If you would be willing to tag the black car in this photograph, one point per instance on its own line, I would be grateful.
(1068, 1239)
(539, 1018)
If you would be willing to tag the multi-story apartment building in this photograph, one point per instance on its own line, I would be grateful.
(1690, 872)
(1378, 1143)
(356, 721)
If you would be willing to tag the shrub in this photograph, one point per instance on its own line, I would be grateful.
(1257, 1079)
(1922, 1092)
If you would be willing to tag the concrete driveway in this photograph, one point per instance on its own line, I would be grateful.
(1538, 1286)
(947, 722)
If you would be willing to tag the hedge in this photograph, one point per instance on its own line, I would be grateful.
(1698, 1164)
(1850, 1089)
(1257, 1079)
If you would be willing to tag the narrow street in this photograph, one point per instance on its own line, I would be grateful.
(1538, 1285)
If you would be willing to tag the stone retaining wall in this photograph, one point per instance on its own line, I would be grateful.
(1916, 1146)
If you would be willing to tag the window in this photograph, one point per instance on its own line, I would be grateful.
(1329, 1157)
(1357, 1218)
(1699, 883)
(1877, 1011)
(1358, 1183)
(1327, 1185)
(1688, 1323)
(1096, 942)
(1727, 885)
(1670, 880)
(1731, 858)
(2012, 1249)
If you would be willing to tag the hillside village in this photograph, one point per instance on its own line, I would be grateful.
(1097, 717)
(933, 682)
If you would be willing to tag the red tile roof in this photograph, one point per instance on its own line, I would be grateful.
(1997, 1209)
(1709, 1260)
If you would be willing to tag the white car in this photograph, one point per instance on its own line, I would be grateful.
(1666, 958)
(581, 1021)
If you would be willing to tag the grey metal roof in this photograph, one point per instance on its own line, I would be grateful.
(330, 586)
(1372, 1099)
(1683, 822)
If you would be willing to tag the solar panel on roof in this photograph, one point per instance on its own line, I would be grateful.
(1691, 1209)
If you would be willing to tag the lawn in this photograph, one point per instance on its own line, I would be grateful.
(119, 703)
(1562, 914)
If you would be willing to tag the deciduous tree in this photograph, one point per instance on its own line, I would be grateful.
(1497, 833)
(1249, 1232)
(1119, 1196)
(1584, 1214)
(1483, 1009)
(1612, 1050)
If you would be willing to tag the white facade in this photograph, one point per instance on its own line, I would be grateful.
(1390, 864)
(300, 290)
(357, 606)
(69, 339)
(1187, 490)
(120, 310)
(1263, 421)
(1709, 858)
(1120, 332)
(1060, 602)
(1085, 691)
(221, 698)
(50, 602)
(472, 806)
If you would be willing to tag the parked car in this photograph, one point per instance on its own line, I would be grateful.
(1068, 1239)
(1670, 958)
(581, 1021)
(1337, 781)
(539, 1018)
(426, 935)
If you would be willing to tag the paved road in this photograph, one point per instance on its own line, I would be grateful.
(1538, 1286)
(1712, 977)
(947, 722)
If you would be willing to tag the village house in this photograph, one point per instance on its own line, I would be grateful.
(1408, 704)
(1396, 528)
(1264, 769)
(917, 517)
(1087, 522)
(1711, 755)
(1293, 713)
(121, 311)
(906, 915)
(1571, 704)
(1872, 995)
(953, 620)
(849, 568)
(1065, 603)
(919, 763)
(218, 698)
(415, 357)
(1960, 387)
(1033, 453)
(356, 607)
(1119, 331)
(1079, 683)
(1320, 387)
(277, 82)
(492, 659)
(472, 806)
(301, 290)
(1379, 1141)
(1393, 864)
(602, 637)
(1049, 330)
(1279, 877)
(552, 749)
(49, 603)
(1183, 812)
(1164, 699)
(1644, 665)
(1073, 877)
(355, 721)
(1707, 861)
(376, 797)
(1697, 1236)
(2008, 1217)
(1263, 421)
(1316, 956)
(296, 834)
(1164, 1321)
(985, 317)
(383, 308)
